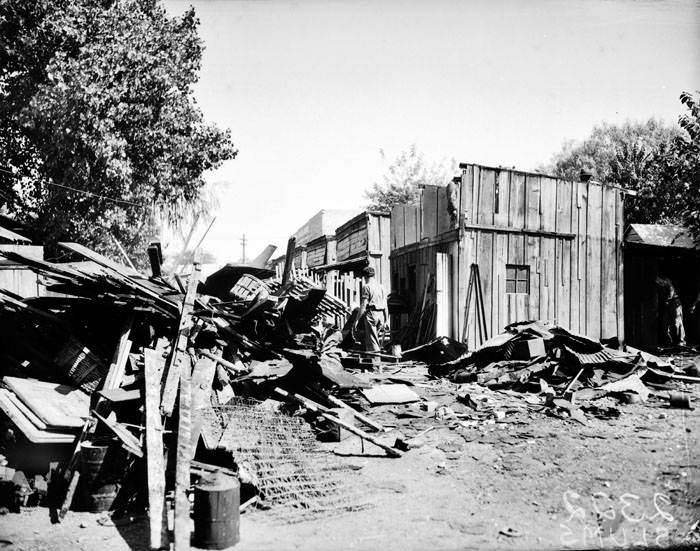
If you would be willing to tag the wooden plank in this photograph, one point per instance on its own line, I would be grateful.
(155, 462)
(593, 267)
(58, 406)
(177, 358)
(411, 224)
(548, 284)
(444, 222)
(502, 186)
(202, 378)
(181, 530)
(582, 254)
(563, 261)
(466, 196)
(532, 203)
(115, 374)
(499, 281)
(485, 260)
(385, 247)
(398, 227)
(620, 298)
(548, 203)
(608, 284)
(516, 201)
(324, 412)
(429, 212)
(574, 302)
(533, 259)
(486, 197)
(476, 189)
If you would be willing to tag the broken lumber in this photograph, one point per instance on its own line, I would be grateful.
(155, 461)
(182, 465)
(324, 412)
(172, 370)
(220, 360)
(359, 416)
(202, 378)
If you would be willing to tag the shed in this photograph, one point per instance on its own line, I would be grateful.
(320, 251)
(364, 241)
(545, 249)
(16, 278)
(652, 250)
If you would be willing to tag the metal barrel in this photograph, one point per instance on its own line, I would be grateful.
(97, 488)
(217, 503)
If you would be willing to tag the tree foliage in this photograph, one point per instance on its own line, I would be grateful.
(631, 155)
(684, 165)
(96, 96)
(403, 177)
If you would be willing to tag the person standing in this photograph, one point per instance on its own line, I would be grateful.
(372, 309)
(671, 312)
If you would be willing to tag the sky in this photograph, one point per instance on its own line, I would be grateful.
(313, 89)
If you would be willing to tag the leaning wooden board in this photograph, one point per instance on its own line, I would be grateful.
(59, 406)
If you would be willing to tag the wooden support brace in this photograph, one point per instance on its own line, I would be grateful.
(323, 412)
(155, 461)
(172, 370)
(202, 378)
(182, 464)
(359, 416)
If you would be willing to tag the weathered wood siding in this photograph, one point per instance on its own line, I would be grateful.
(18, 279)
(320, 251)
(569, 234)
(368, 234)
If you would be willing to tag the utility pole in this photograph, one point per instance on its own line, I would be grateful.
(243, 242)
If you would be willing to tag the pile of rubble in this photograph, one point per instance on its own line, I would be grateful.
(113, 374)
(122, 391)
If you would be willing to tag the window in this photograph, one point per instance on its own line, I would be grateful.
(517, 279)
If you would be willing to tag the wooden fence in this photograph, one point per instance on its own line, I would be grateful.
(344, 287)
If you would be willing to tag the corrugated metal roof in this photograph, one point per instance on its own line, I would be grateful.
(660, 235)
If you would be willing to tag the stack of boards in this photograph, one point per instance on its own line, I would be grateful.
(46, 413)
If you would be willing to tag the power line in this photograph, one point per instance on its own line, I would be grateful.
(124, 201)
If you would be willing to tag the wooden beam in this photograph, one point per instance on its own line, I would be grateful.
(202, 377)
(182, 464)
(121, 355)
(359, 416)
(155, 461)
(288, 260)
(323, 412)
(179, 353)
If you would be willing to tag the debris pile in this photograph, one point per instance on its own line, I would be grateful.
(228, 384)
(113, 373)
(562, 369)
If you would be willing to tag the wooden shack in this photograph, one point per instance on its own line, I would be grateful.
(364, 241)
(320, 251)
(17, 278)
(545, 249)
(653, 250)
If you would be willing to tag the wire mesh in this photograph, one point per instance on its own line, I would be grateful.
(293, 475)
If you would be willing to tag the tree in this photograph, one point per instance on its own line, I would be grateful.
(99, 129)
(685, 167)
(633, 155)
(403, 177)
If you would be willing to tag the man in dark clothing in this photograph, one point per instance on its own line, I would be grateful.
(671, 312)
(372, 309)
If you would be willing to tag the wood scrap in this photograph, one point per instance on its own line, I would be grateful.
(155, 462)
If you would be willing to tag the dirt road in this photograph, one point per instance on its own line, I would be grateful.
(530, 482)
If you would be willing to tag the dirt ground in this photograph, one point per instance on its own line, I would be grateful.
(530, 481)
